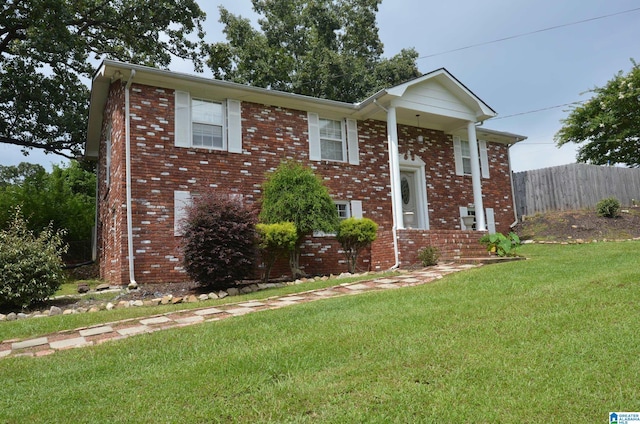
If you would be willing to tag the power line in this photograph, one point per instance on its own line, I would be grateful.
(511, 37)
(537, 110)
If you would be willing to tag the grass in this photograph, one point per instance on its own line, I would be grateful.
(30, 328)
(551, 339)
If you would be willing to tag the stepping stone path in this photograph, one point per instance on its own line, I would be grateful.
(95, 335)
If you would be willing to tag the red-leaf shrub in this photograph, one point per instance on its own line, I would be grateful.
(218, 240)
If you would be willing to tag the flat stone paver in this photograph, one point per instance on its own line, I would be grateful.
(357, 287)
(68, 343)
(251, 304)
(29, 343)
(208, 311)
(239, 311)
(190, 320)
(134, 330)
(156, 320)
(286, 298)
(96, 331)
(41, 346)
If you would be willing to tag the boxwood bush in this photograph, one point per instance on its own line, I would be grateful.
(609, 207)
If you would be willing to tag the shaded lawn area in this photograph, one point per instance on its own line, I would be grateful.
(552, 338)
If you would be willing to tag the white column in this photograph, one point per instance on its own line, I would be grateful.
(476, 177)
(394, 168)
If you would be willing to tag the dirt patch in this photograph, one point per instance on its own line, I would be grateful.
(583, 225)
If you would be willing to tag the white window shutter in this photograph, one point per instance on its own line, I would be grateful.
(181, 199)
(491, 220)
(356, 208)
(457, 153)
(182, 130)
(314, 136)
(234, 126)
(352, 142)
(484, 158)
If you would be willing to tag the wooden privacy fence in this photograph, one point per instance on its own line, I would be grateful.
(574, 186)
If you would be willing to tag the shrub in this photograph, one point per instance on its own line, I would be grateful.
(293, 193)
(500, 244)
(31, 266)
(275, 240)
(354, 234)
(218, 240)
(609, 207)
(429, 256)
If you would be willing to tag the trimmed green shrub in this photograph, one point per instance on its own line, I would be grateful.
(609, 207)
(275, 240)
(500, 244)
(354, 234)
(31, 266)
(429, 256)
(293, 193)
(218, 240)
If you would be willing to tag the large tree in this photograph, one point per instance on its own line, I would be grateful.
(47, 47)
(607, 126)
(321, 48)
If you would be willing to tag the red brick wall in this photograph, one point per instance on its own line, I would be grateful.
(270, 135)
(112, 224)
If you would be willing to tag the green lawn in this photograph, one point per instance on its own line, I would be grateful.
(552, 339)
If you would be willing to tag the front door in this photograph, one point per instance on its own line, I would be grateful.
(408, 191)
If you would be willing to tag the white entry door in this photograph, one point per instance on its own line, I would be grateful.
(409, 199)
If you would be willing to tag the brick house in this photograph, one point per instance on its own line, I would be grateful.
(415, 158)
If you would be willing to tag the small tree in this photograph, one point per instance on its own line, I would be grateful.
(275, 241)
(30, 265)
(293, 193)
(218, 240)
(354, 234)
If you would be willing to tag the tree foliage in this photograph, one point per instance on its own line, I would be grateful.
(321, 48)
(64, 198)
(607, 126)
(218, 240)
(30, 264)
(354, 234)
(47, 48)
(293, 193)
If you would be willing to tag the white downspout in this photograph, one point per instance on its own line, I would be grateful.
(127, 131)
(513, 190)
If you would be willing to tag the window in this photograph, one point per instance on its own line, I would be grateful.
(462, 153)
(465, 154)
(207, 119)
(208, 124)
(331, 140)
(344, 211)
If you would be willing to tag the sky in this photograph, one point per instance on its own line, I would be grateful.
(542, 69)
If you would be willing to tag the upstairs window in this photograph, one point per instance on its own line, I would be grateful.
(465, 154)
(332, 143)
(333, 139)
(207, 124)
